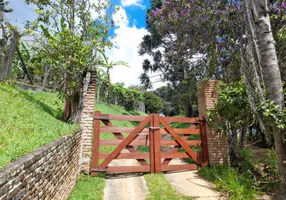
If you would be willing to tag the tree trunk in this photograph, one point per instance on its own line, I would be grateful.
(243, 136)
(271, 76)
(233, 154)
(46, 75)
(86, 81)
(6, 69)
(67, 103)
(108, 86)
(24, 66)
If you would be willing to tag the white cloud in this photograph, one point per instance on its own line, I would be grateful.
(126, 41)
(120, 18)
(138, 3)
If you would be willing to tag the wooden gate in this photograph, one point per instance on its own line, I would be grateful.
(152, 131)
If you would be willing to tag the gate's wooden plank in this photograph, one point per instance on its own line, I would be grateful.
(179, 139)
(108, 129)
(134, 155)
(120, 117)
(174, 155)
(144, 142)
(179, 167)
(130, 148)
(173, 142)
(95, 149)
(145, 155)
(189, 131)
(152, 149)
(125, 169)
(125, 143)
(204, 152)
(181, 119)
(157, 148)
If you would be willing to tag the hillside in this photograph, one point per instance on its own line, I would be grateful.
(28, 120)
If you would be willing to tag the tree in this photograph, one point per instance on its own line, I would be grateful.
(8, 42)
(190, 41)
(261, 69)
(153, 103)
(6, 69)
(73, 31)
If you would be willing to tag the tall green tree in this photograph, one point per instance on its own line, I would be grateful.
(262, 72)
(71, 34)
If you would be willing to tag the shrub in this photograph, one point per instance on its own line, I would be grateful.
(153, 103)
(227, 179)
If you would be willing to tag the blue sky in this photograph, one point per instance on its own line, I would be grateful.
(130, 28)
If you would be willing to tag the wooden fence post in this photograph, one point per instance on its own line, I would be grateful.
(205, 153)
(151, 144)
(157, 147)
(95, 148)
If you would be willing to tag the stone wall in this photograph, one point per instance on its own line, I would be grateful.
(47, 173)
(217, 142)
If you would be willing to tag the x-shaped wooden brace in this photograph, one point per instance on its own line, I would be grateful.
(180, 140)
(125, 143)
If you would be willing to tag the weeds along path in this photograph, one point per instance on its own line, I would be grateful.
(189, 183)
(125, 186)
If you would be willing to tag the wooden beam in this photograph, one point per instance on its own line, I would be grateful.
(157, 147)
(95, 148)
(179, 167)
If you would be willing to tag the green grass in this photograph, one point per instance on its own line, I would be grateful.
(88, 188)
(229, 181)
(28, 120)
(160, 189)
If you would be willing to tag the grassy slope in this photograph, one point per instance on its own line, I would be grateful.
(28, 120)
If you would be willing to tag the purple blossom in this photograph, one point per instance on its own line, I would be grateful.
(218, 12)
(155, 12)
(284, 5)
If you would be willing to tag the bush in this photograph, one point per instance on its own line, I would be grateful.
(153, 103)
(227, 179)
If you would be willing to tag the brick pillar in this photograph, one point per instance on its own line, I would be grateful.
(86, 124)
(217, 142)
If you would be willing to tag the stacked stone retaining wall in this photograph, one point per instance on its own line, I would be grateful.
(46, 173)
